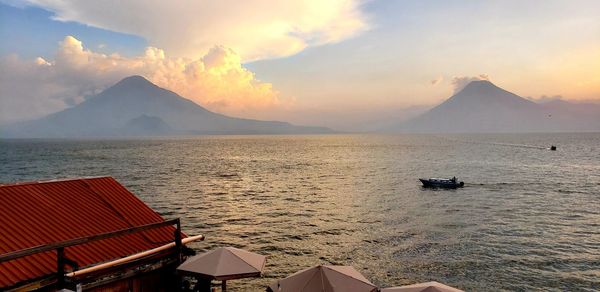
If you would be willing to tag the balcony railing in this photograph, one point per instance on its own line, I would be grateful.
(62, 261)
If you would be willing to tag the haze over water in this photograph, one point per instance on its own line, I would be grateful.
(527, 219)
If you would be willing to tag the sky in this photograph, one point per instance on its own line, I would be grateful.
(337, 63)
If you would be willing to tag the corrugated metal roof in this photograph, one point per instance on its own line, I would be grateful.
(38, 213)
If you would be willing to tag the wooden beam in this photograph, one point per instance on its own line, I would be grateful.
(128, 273)
(52, 246)
(131, 257)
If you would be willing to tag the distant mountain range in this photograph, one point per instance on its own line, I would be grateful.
(136, 107)
(482, 107)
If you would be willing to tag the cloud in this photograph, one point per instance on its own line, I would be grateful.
(217, 80)
(459, 82)
(256, 29)
(437, 81)
(546, 98)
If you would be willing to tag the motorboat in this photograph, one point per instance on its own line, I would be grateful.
(450, 183)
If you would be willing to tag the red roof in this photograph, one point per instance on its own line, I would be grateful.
(38, 213)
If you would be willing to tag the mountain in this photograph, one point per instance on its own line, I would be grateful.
(485, 108)
(135, 106)
(146, 126)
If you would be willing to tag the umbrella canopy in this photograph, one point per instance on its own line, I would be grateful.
(423, 287)
(326, 279)
(224, 263)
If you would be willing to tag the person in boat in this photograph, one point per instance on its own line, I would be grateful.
(454, 179)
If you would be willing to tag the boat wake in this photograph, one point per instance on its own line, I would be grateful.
(518, 145)
(503, 144)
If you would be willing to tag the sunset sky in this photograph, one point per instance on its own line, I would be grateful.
(314, 62)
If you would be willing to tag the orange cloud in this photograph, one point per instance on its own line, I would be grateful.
(576, 73)
(217, 80)
(573, 74)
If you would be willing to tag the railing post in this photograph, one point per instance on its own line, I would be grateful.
(178, 244)
(60, 267)
(178, 253)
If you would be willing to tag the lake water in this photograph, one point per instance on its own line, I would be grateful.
(527, 219)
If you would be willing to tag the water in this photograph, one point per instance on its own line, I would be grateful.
(527, 219)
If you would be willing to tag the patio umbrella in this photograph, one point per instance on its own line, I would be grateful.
(224, 263)
(422, 287)
(324, 279)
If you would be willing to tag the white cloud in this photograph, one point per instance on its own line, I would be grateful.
(459, 82)
(256, 29)
(437, 81)
(546, 98)
(32, 88)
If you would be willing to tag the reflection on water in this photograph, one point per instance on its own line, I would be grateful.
(527, 217)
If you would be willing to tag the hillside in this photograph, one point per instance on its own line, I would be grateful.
(485, 108)
(135, 106)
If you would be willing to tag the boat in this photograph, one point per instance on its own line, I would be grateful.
(553, 148)
(450, 183)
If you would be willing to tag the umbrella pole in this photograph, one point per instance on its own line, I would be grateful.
(223, 285)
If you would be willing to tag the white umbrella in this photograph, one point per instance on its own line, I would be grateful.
(422, 287)
(224, 263)
(325, 279)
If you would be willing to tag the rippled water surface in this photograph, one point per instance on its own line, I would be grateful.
(527, 218)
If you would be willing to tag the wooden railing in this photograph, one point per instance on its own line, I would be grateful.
(61, 260)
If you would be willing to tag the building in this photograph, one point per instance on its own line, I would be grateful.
(49, 229)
